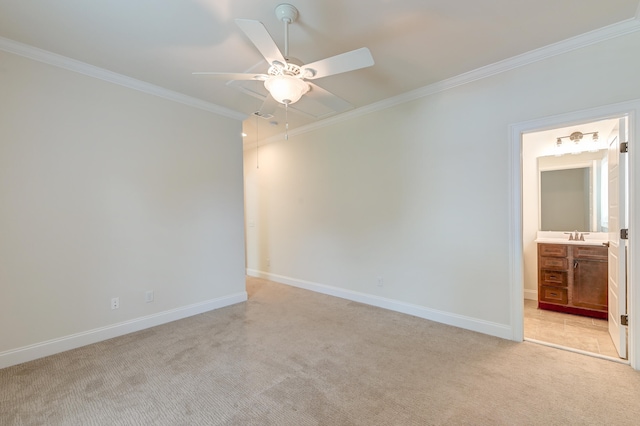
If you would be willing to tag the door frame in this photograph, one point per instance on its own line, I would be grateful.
(516, 254)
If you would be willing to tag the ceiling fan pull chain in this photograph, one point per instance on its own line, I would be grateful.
(286, 121)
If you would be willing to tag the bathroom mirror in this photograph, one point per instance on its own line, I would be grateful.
(573, 192)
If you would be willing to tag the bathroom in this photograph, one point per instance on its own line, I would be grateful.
(566, 202)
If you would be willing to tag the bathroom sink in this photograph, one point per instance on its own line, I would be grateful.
(590, 239)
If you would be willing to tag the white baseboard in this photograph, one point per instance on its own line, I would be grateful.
(531, 294)
(54, 346)
(473, 324)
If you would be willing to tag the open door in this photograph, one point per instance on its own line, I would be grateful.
(617, 297)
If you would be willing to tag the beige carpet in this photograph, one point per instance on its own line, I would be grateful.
(293, 357)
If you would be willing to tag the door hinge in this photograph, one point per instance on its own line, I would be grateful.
(624, 147)
(624, 234)
(624, 319)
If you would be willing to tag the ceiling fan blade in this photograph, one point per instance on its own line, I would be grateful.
(349, 61)
(327, 98)
(268, 108)
(231, 75)
(259, 36)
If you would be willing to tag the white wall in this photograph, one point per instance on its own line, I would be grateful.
(419, 193)
(104, 192)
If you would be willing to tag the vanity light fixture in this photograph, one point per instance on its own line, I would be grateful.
(576, 137)
(575, 148)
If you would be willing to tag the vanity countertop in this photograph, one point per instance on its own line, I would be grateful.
(590, 239)
(567, 241)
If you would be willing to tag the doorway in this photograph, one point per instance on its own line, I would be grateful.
(522, 268)
(566, 192)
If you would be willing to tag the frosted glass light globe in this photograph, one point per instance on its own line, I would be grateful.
(286, 89)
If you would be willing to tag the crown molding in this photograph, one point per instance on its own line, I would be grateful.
(583, 40)
(60, 61)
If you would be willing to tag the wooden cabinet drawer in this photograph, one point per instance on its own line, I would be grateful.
(553, 295)
(553, 250)
(555, 278)
(557, 263)
(590, 252)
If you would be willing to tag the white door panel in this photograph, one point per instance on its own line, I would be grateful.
(617, 297)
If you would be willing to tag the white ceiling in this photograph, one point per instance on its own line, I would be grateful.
(414, 42)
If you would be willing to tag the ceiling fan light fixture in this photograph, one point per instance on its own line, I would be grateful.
(286, 89)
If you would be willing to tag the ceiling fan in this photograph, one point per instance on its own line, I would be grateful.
(286, 81)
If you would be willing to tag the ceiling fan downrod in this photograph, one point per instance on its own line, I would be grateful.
(286, 13)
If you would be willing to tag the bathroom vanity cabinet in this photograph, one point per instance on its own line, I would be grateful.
(573, 278)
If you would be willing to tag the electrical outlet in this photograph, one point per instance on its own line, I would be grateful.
(115, 303)
(380, 282)
(269, 263)
(148, 296)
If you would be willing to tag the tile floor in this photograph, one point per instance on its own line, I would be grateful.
(573, 331)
